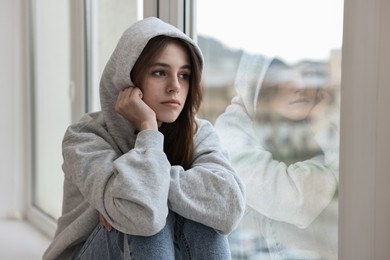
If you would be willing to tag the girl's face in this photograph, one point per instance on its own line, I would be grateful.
(166, 83)
(293, 101)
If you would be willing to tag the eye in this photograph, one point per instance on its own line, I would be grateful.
(184, 75)
(159, 73)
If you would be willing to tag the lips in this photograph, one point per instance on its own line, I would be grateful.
(171, 101)
(300, 100)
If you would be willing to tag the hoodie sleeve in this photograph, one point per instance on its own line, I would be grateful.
(209, 192)
(130, 190)
(295, 194)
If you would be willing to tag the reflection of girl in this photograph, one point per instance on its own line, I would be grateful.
(290, 188)
(283, 109)
(157, 177)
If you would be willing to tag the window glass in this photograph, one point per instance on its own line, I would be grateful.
(51, 101)
(108, 23)
(53, 91)
(272, 90)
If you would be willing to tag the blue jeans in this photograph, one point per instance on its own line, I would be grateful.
(181, 239)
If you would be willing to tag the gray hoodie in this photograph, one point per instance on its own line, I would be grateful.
(292, 205)
(126, 176)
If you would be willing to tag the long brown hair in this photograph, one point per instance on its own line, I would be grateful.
(179, 135)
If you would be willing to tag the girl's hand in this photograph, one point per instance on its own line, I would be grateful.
(104, 222)
(324, 102)
(130, 105)
(320, 113)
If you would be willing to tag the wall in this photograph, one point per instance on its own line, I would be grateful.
(13, 141)
(365, 127)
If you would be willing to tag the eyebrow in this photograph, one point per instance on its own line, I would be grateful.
(187, 66)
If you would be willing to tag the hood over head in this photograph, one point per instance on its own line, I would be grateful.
(250, 75)
(256, 71)
(116, 75)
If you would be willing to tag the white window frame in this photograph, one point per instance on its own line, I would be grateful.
(364, 218)
(175, 12)
(34, 215)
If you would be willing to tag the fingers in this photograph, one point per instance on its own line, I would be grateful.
(104, 223)
(125, 95)
(129, 91)
(137, 91)
(132, 107)
(324, 96)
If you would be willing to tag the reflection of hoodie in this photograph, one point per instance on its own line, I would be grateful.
(292, 205)
(126, 176)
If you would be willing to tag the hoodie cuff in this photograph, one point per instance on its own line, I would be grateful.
(149, 139)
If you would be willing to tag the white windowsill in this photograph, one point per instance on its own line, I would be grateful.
(19, 240)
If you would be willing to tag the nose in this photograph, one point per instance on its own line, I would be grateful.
(173, 85)
(298, 86)
(299, 90)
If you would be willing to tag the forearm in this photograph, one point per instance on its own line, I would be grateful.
(210, 192)
(130, 190)
(136, 199)
(296, 194)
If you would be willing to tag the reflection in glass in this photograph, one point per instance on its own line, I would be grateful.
(281, 130)
(278, 116)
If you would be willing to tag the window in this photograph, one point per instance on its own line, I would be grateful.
(280, 66)
(51, 100)
(65, 74)
(106, 25)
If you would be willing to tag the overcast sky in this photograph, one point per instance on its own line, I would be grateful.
(290, 29)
